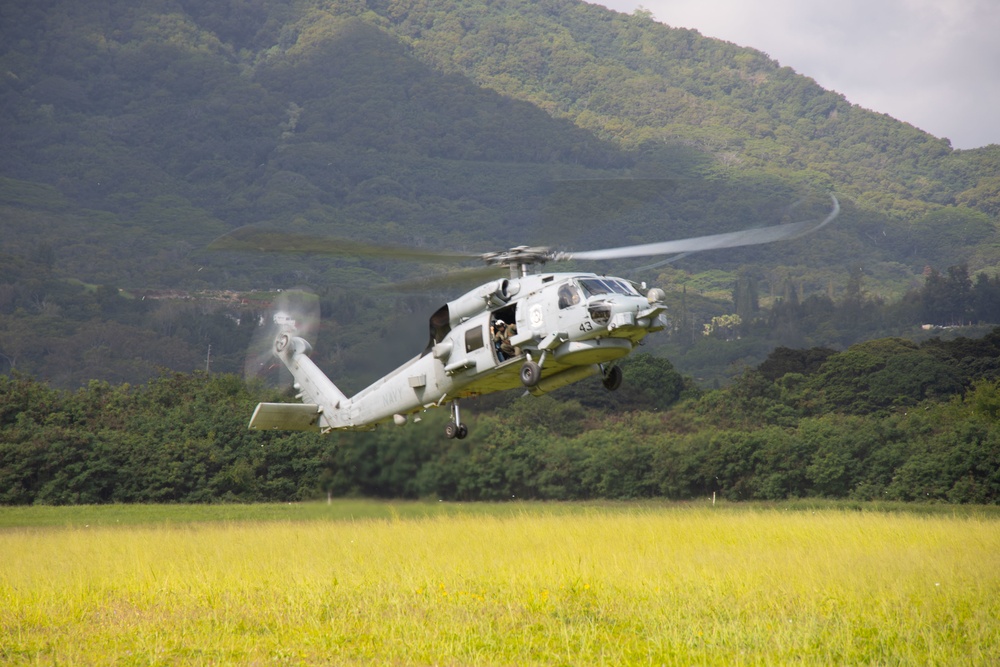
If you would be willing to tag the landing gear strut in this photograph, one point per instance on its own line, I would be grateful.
(455, 428)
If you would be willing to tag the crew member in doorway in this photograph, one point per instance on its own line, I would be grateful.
(508, 331)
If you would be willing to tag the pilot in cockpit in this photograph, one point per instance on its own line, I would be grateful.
(569, 295)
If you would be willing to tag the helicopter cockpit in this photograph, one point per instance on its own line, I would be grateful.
(574, 291)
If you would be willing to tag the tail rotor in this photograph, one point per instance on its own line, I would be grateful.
(293, 313)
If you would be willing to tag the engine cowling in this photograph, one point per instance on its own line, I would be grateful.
(489, 296)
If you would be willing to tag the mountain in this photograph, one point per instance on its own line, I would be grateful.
(135, 132)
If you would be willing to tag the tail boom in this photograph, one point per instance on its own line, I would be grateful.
(322, 405)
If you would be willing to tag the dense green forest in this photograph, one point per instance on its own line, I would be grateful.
(883, 420)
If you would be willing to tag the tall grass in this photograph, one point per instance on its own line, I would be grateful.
(647, 585)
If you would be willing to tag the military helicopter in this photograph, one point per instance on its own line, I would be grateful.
(531, 329)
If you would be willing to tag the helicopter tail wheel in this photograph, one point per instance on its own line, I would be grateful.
(531, 373)
(612, 379)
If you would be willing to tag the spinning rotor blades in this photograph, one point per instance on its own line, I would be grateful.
(293, 311)
(255, 239)
(746, 237)
(518, 258)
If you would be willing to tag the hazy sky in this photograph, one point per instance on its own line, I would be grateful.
(932, 63)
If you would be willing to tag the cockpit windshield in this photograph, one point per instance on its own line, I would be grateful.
(595, 286)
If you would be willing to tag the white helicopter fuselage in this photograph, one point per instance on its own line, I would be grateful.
(566, 327)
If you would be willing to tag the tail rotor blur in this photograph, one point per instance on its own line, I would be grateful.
(294, 312)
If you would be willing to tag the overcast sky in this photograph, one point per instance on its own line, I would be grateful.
(932, 63)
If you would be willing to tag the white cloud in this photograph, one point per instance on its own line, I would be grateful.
(932, 63)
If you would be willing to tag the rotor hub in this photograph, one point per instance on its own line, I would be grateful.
(519, 259)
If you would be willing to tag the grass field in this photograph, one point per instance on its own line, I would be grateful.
(512, 584)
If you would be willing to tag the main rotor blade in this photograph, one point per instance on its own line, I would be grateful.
(254, 239)
(728, 240)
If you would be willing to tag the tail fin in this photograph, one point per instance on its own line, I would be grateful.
(321, 398)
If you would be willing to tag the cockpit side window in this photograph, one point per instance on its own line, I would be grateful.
(569, 295)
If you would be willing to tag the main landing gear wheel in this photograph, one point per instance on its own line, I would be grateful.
(453, 430)
(612, 379)
(531, 373)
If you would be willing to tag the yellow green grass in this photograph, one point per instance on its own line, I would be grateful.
(531, 585)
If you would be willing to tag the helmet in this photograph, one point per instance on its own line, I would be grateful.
(500, 322)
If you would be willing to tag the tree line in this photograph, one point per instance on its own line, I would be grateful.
(883, 420)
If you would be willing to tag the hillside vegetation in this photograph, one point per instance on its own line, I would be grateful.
(135, 132)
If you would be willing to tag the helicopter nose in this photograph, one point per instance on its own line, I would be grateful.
(625, 317)
(600, 312)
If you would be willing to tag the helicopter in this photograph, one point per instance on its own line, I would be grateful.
(531, 329)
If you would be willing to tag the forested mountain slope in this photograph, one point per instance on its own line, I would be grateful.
(135, 132)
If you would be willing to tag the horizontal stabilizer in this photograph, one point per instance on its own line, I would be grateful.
(285, 417)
